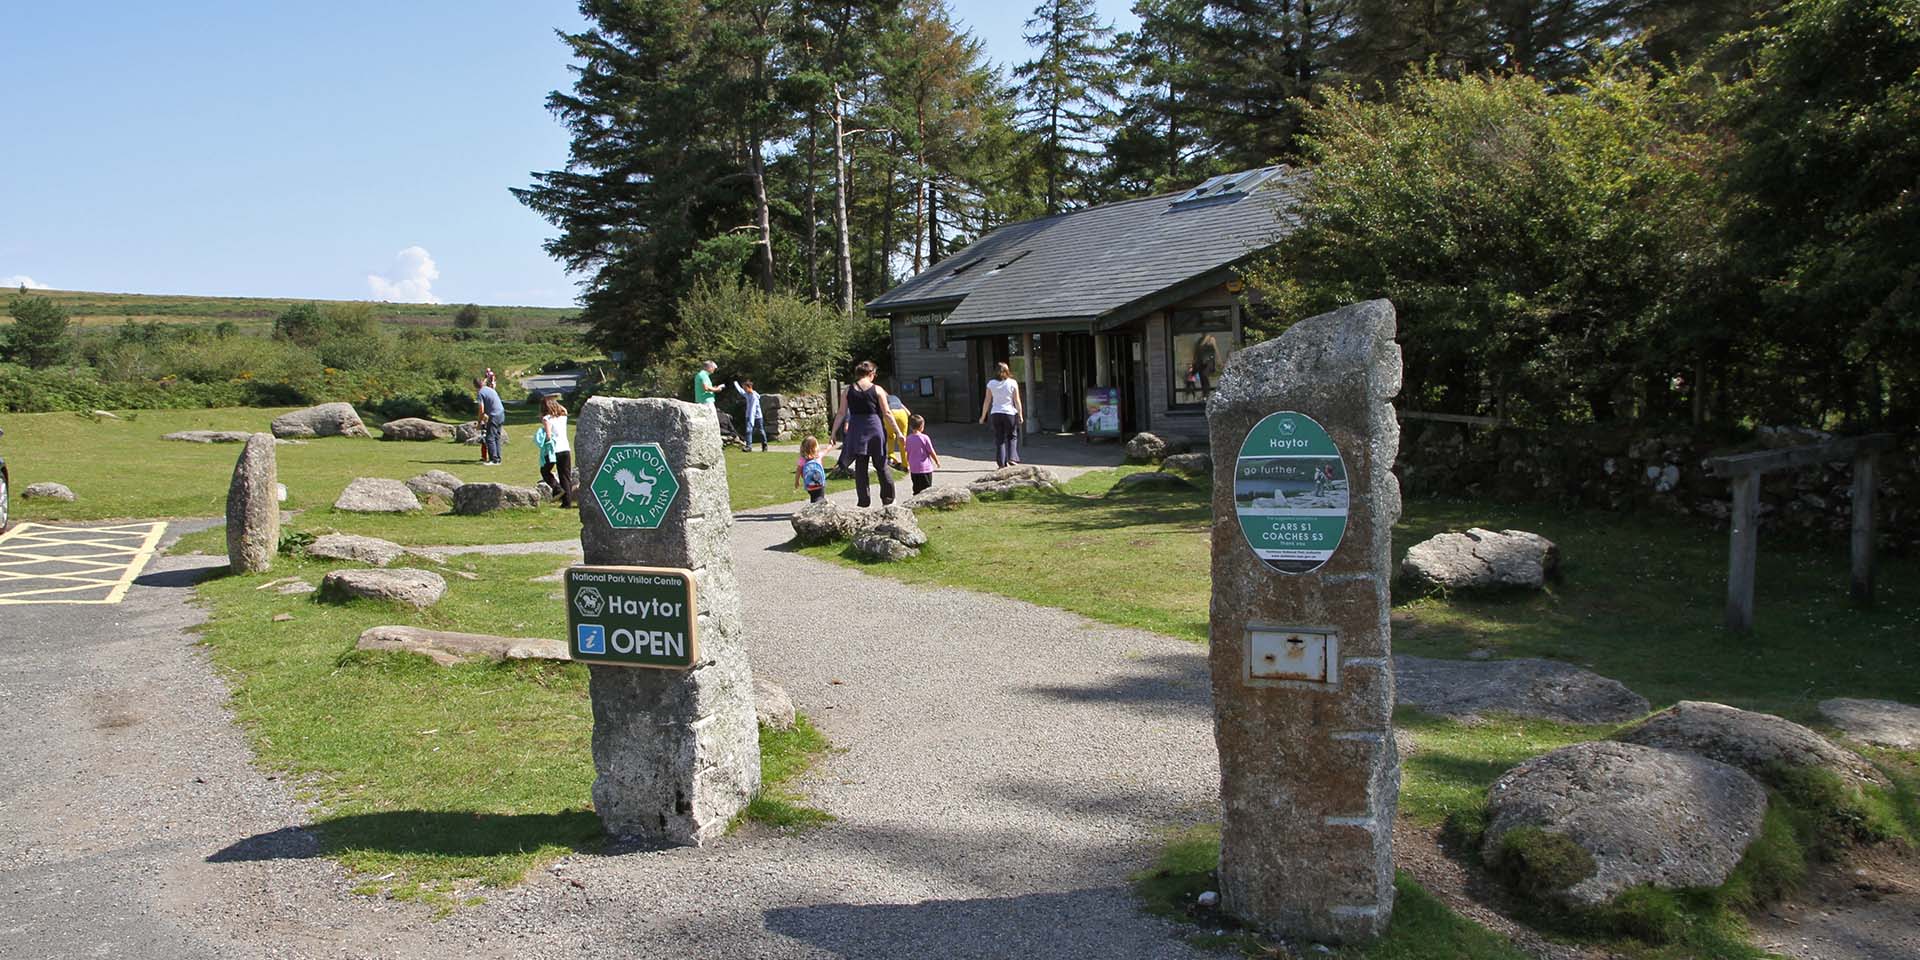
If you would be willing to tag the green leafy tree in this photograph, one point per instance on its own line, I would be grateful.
(39, 337)
(1826, 219)
(1544, 251)
(781, 341)
(468, 317)
(301, 324)
(1068, 94)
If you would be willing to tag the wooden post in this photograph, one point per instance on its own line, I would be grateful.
(1864, 467)
(1740, 556)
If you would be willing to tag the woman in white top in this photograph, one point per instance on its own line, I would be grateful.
(1002, 404)
(553, 417)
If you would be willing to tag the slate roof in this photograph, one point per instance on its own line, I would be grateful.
(1102, 265)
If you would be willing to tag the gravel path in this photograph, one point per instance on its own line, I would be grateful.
(1002, 769)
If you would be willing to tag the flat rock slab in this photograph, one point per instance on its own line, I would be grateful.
(1754, 742)
(1148, 480)
(415, 428)
(347, 546)
(1546, 689)
(1886, 723)
(1646, 816)
(1482, 560)
(209, 436)
(1192, 464)
(325, 420)
(447, 648)
(472, 499)
(939, 498)
(418, 588)
(469, 433)
(435, 483)
(47, 490)
(1148, 447)
(376, 495)
(1020, 476)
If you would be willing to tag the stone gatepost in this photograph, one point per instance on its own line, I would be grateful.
(1304, 439)
(675, 751)
(253, 506)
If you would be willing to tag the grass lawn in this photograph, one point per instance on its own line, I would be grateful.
(431, 781)
(1639, 599)
(121, 468)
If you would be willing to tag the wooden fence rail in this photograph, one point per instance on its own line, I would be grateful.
(1743, 471)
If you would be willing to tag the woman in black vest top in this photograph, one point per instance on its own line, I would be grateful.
(864, 412)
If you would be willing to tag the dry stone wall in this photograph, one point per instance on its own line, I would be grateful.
(1624, 468)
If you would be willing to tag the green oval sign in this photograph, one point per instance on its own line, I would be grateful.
(1290, 492)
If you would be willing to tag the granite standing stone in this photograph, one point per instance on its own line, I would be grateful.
(1309, 777)
(676, 752)
(253, 507)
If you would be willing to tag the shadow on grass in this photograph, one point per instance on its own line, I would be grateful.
(429, 832)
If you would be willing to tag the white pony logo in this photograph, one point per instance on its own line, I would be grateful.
(631, 487)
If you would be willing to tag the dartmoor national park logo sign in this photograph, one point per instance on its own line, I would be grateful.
(634, 486)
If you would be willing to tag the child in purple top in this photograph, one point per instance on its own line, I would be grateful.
(921, 460)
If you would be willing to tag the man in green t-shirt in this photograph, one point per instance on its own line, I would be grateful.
(704, 391)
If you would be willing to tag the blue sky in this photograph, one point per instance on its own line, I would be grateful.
(347, 150)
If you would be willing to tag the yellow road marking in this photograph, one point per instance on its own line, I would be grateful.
(134, 547)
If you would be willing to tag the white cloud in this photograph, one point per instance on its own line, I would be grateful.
(19, 280)
(409, 280)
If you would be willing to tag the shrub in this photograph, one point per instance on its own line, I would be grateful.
(782, 342)
(467, 317)
(301, 324)
(39, 337)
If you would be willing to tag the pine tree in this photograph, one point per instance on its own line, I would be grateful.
(1069, 93)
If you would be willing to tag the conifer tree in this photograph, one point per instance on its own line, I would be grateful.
(1069, 92)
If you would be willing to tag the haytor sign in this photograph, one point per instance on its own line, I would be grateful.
(634, 486)
(1290, 492)
(632, 616)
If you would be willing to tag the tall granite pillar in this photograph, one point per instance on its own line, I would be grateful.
(675, 752)
(1304, 439)
(253, 506)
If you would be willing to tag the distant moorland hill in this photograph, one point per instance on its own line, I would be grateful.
(93, 309)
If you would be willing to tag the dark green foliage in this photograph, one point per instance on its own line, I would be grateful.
(1069, 92)
(1534, 859)
(38, 337)
(300, 323)
(467, 317)
(1825, 222)
(1540, 249)
(499, 323)
(782, 342)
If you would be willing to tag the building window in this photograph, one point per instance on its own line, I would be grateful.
(925, 336)
(1199, 342)
(939, 338)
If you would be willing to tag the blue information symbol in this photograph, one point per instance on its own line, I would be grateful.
(591, 638)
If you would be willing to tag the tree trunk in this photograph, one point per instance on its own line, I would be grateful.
(757, 168)
(843, 252)
(883, 270)
(933, 223)
(921, 182)
(813, 212)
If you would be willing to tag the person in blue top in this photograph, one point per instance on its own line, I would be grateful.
(755, 419)
(492, 416)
